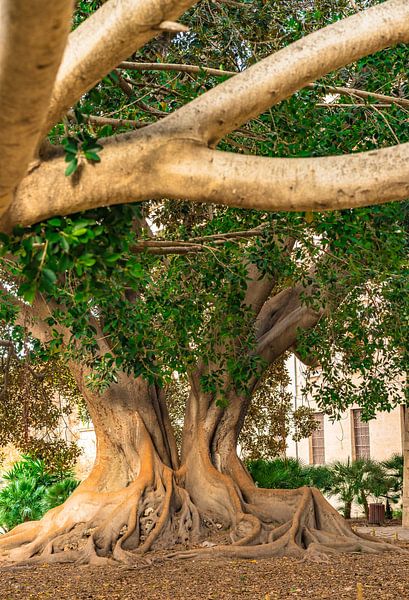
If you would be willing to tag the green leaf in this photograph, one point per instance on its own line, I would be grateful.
(49, 276)
(79, 232)
(70, 145)
(55, 222)
(93, 156)
(28, 291)
(112, 257)
(64, 244)
(78, 115)
(136, 270)
(72, 167)
(88, 260)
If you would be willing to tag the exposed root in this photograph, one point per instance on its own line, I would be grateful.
(98, 528)
(315, 532)
(155, 512)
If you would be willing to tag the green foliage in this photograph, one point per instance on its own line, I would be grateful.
(80, 145)
(161, 314)
(288, 473)
(21, 500)
(30, 468)
(344, 484)
(271, 418)
(31, 490)
(36, 396)
(57, 493)
(58, 456)
(358, 481)
(394, 469)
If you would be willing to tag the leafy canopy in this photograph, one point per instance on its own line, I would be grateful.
(163, 313)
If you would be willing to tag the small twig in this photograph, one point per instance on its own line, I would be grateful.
(193, 69)
(111, 121)
(350, 105)
(354, 5)
(388, 125)
(362, 94)
(134, 66)
(244, 5)
(173, 27)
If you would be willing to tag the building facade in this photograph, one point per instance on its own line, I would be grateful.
(348, 438)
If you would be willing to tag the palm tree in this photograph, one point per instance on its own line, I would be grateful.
(59, 492)
(21, 500)
(343, 485)
(359, 480)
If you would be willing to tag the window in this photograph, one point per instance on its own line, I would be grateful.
(361, 435)
(318, 442)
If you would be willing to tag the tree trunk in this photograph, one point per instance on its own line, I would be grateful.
(138, 498)
(130, 500)
(261, 522)
(364, 502)
(347, 509)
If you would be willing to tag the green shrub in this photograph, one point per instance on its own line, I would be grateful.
(359, 481)
(319, 476)
(356, 481)
(59, 492)
(31, 490)
(21, 500)
(29, 467)
(288, 473)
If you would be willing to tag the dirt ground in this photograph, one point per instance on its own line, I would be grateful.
(382, 577)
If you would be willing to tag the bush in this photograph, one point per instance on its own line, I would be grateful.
(59, 492)
(21, 500)
(31, 490)
(357, 481)
(32, 468)
(288, 473)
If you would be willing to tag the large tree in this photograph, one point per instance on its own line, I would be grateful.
(232, 304)
(222, 312)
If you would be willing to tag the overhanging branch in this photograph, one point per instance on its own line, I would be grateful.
(291, 184)
(144, 166)
(171, 158)
(33, 37)
(229, 105)
(101, 42)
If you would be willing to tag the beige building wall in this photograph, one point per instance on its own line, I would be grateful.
(385, 431)
(87, 443)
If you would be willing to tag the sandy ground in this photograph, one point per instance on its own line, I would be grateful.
(381, 577)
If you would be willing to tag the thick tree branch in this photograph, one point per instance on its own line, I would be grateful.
(283, 334)
(116, 30)
(143, 165)
(292, 184)
(230, 104)
(169, 158)
(32, 41)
